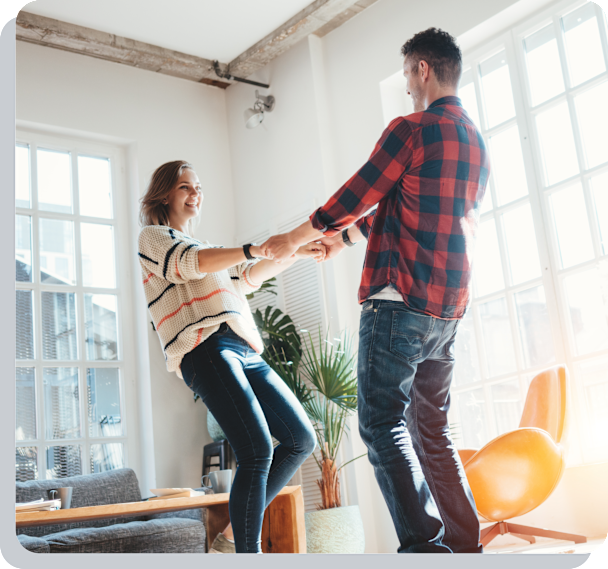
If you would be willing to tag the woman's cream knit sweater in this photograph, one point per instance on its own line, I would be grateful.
(188, 306)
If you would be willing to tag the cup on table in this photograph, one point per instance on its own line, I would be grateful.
(221, 481)
(63, 494)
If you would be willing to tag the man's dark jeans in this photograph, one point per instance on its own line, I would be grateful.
(250, 402)
(406, 361)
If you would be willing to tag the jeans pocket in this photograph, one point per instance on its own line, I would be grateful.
(450, 345)
(187, 369)
(367, 305)
(409, 332)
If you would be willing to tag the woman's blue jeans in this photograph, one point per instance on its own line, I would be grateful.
(250, 403)
(406, 362)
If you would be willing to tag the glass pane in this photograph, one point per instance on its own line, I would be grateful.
(471, 407)
(594, 376)
(54, 181)
(25, 427)
(57, 251)
(487, 266)
(63, 461)
(497, 337)
(522, 250)
(97, 243)
(466, 368)
(544, 67)
(587, 301)
(593, 125)
(486, 205)
(59, 326)
(496, 86)
(508, 169)
(22, 176)
(25, 325)
(571, 225)
(103, 385)
(26, 464)
(557, 144)
(506, 400)
(534, 327)
(468, 97)
(107, 456)
(599, 191)
(23, 248)
(61, 402)
(101, 335)
(95, 188)
(583, 44)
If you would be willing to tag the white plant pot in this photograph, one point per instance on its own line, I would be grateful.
(337, 530)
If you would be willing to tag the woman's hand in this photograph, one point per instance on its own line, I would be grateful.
(256, 251)
(316, 251)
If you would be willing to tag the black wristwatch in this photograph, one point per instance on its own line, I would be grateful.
(249, 256)
(345, 238)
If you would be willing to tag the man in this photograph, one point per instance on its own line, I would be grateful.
(427, 175)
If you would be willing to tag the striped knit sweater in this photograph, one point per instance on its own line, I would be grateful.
(188, 306)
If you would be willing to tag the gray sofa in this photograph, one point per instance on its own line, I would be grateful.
(172, 532)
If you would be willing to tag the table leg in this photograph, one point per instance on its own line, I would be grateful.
(283, 529)
(217, 520)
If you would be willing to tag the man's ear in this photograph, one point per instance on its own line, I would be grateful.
(424, 70)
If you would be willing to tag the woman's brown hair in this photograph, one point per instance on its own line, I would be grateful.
(152, 210)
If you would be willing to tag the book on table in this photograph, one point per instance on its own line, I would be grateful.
(167, 493)
(37, 506)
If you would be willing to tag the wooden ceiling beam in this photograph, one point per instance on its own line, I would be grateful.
(310, 20)
(320, 18)
(48, 32)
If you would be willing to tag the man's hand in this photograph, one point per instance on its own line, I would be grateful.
(334, 246)
(279, 247)
(312, 250)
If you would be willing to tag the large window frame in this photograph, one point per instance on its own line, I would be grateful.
(585, 449)
(122, 290)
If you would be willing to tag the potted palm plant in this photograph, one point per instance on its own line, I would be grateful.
(325, 382)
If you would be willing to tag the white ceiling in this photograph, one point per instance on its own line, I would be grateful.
(213, 29)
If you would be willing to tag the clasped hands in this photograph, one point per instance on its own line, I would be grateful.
(284, 246)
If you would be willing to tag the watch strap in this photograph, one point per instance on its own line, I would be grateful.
(345, 238)
(246, 248)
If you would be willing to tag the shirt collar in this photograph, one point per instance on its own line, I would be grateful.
(451, 100)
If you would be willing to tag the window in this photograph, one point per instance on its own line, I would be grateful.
(541, 266)
(71, 290)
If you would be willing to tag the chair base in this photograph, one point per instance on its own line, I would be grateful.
(525, 532)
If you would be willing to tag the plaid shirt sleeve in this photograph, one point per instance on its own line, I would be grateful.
(364, 224)
(389, 161)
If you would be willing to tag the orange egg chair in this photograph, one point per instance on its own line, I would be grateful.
(518, 471)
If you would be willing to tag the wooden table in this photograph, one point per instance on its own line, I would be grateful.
(283, 529)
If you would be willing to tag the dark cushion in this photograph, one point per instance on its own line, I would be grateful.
(34, 544)
(172, 535)
(111, 487)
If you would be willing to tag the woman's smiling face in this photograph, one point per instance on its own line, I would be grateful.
(185, 198)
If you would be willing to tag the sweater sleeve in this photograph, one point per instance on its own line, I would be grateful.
(247, 284)
(165, 253)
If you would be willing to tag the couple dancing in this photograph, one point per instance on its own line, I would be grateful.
(427, 176)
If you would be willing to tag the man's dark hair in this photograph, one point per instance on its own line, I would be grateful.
(440, 50)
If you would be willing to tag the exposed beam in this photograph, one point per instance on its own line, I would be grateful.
(320, 18)
(78, 39)
(310, 20)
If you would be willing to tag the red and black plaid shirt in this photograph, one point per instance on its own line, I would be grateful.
(428, 176)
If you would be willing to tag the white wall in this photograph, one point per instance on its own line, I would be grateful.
(324, 142)
(158, 119)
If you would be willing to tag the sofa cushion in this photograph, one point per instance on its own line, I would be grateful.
(34, 544)
(169, 535)
(111, 487)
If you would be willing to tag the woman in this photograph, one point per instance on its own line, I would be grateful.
(196, 296)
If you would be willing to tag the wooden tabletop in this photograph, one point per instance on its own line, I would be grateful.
(72, 515)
